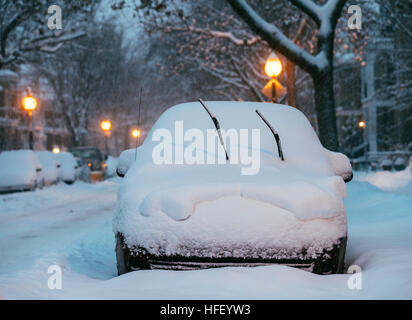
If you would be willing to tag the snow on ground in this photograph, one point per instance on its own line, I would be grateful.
(387, 180)
(71, 226)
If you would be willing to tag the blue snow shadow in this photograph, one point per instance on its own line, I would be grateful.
(94, 256)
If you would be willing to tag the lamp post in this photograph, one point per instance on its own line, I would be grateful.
(29, 104)
(106, 125)
(273, 68)
(362, 125)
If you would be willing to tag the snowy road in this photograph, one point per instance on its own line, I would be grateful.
(70, 226)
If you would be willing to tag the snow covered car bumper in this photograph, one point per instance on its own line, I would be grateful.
(234, 229)
(326, 261)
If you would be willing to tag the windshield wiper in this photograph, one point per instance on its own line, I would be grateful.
(217, 125)
(275, 134)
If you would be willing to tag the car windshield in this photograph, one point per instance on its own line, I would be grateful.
(86, 153)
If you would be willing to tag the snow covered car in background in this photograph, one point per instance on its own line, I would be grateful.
(126, 158)
(20, 170)
(189, 216)
(79, 166)
(111, 163)
(68, 167)
(50, 167)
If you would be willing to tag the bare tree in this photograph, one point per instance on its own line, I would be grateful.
(23, 27)
(85, 77)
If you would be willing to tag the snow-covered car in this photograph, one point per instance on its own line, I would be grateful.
(79, 166)
(125, 160)
(68, 167)
(20, 170)
(111, 163)
(177, 214)
(50, 167)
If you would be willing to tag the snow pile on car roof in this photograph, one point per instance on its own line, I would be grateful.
(18, 167)
(293, 203)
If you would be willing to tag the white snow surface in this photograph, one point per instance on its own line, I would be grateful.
(213, 210)
(18, 168)
(70, 226)
(388, 180)
(49, 166)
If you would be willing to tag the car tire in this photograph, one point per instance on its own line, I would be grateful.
(127, 260)
(121, 256)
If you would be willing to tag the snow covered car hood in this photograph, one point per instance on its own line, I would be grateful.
(306, 198)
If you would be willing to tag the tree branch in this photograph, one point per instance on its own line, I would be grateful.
(275, 37)
(310, 8)
(19, 18)
(217, 34)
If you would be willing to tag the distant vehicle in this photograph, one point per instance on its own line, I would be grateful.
(111, 163)
(92, 157)
(387, 164)
(20, 170)
(68, 167)
(125, 160)
(79, 167)
(50, 166)
(399, 164)
(184, 216)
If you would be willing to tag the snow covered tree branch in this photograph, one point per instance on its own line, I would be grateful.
(24, 29)
(320, 66)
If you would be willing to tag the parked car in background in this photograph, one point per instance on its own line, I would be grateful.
(111, 163)
(387, 164)
(125, 160)
(50, 166)
(20, 170)
(184, 216)
(79, 167)
(92, 157)
(68, 167)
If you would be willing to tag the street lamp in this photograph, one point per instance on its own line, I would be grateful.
(29, 104)
(362, 125)
(56, 150)
(136, 133)
(106, 125)
(273, 68)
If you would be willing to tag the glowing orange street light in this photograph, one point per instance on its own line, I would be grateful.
(362, 124)
(29, 104)
(136, 133)
(106, 125)
(273, 68)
